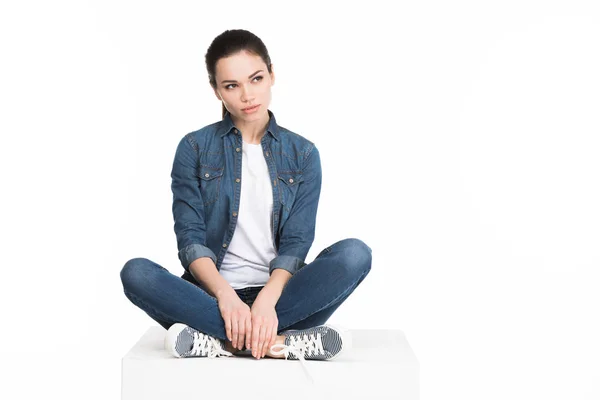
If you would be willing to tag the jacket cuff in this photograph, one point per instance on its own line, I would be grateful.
(289, 263)
(193, 252)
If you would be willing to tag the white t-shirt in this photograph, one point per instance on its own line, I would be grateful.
(246, 262)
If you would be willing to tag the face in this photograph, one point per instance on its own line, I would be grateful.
(242, 81)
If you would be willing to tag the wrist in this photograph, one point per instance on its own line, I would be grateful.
(223, 292)
(269, 294)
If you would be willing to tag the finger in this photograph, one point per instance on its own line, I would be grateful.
(234, 330)
(255, 333)
(241, 333)
(273, 336)
(248, 331)
(227, 320)
(266, 328)
(268, 339)
(261, 339)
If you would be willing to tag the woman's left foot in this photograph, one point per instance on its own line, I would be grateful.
(323, 342)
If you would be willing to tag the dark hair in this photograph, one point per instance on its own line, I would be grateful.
(232, 42)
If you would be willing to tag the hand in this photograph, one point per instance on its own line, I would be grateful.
(264, 325)
(237, 317)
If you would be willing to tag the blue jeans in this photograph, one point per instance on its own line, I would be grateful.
(310, 297)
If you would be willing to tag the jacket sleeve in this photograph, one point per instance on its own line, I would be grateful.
(298, 231)
(188, 206)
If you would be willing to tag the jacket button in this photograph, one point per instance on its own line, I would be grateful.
(224, 244)
(234, 214)
(237, 149)
(291, 180)
(235, 130)
(206, 175)
(274, 182)
(237, 180)
(267, 154)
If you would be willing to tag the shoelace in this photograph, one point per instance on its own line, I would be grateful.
(300, 345)
(208, 345)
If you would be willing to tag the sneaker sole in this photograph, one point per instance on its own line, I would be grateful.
(171, 338)
(344, 336)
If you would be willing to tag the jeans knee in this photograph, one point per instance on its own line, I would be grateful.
(357, 254)
(133, 271)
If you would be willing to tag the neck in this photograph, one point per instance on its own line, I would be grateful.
(252, 131)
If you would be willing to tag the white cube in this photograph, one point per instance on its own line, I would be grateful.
(379, 364)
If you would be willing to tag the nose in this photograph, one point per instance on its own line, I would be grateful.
(247, 95)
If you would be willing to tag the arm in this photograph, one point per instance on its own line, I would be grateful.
(204, 271)
(190, 229)
(188, 206)
(274, 287)
(298, 231)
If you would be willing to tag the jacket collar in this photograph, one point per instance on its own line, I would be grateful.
(227, 125)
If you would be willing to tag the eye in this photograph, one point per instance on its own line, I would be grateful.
(259, 77)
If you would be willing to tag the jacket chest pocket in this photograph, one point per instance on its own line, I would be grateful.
(288, 188)
(210, 183)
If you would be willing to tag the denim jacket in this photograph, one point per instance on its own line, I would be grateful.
(206, 179)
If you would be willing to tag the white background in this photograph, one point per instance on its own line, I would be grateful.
(459, 140)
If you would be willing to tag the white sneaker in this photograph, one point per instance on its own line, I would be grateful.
(323, 342)
(184, 341)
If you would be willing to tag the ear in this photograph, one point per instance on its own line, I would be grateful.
(272, 75)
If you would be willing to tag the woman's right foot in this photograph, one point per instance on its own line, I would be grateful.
(184, 341)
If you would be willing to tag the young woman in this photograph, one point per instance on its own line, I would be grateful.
(245, 198)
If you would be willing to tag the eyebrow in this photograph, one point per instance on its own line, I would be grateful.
(229, 80)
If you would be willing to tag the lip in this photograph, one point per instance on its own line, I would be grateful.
(251, 109)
